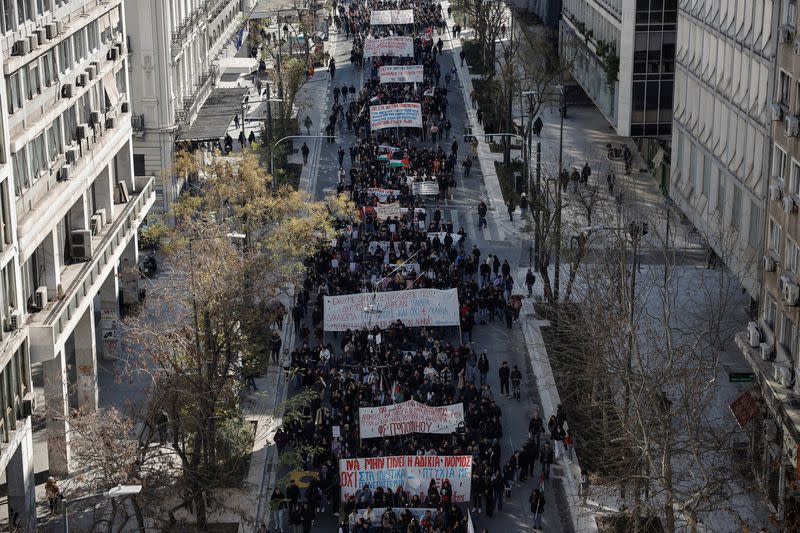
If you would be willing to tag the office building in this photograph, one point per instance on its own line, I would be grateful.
(622, 53)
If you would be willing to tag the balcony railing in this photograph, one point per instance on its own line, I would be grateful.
(107, 247)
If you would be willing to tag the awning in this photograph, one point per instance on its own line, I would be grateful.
(215, 116)
(112, 92)
(240, 65)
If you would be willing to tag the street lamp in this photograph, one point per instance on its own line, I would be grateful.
(120, 491)
(276, 143)
(231, 235)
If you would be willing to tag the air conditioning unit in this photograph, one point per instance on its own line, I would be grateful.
(95, 224)
(767, 350)
(123, 48)
(91, 72)
(95, 117)
(776, 110)
(28, 404)
(14, 320)
(41, 34)
(125, 107)
(112, 54)
(792, 126)
(119, 47)
(40, 297)
(770, 430)
(785, 34)
(753, 334)
(66, 90)
(81, 80)
(71, 155)
(64, 173)
(34, 40)
(80, 242)
(21, 47)
(84, 130)
(782, 374)
(769, 264)
(775, 192)
(788, 204)
(51, 30)
(102, 214)
(111, 123)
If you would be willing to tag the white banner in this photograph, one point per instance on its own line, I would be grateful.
(418, 307)
(405, 115)
(409, 417)
(376, 518)
(384, 211)
(456, 237)
(384, 17)
(396, 46)
(400, 73)
(413, 472)
(425, 187)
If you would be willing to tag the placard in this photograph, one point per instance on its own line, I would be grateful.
(400, 73)
(409, 417)
(394, 46)
(383, 194)
(413, 472)
(418, 307)
(384, 211)
(425, 187)
(384, 17)
(403, 115)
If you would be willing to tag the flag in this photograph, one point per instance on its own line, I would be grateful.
(383, 158)
(428, 35)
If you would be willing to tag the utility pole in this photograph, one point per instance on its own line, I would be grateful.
(269, 114)
(562, 112)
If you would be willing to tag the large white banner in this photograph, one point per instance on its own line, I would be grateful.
(413, 472)
(425, 187)
(395, 46)
(400, 73)
(403, 115)
(409, 417)
(417, 307)
(384, 211)
(383, 194)
(383, 17)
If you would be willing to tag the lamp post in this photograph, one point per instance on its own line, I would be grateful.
(120, 491)
(276, 143)
(231, 235)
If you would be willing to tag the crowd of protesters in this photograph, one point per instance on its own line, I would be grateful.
(387, 363)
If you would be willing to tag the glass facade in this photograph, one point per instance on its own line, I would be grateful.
(653, 68)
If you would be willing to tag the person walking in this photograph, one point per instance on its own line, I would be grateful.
(537, 507)
(53, 494)
(304, 150)
(510, 206)
(275, 343)
(530, 279)
(461, 55)
(483, 366)
(523, 206)
(308, 123)
(516, 382)
(474, 145)
(504, 373)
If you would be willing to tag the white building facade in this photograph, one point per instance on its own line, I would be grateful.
(176, 48)
(622, 53)
(722, 120)
(70, 207)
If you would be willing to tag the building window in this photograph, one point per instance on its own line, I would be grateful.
(79, 45)
(14, 93)
(24, 10)
(706, 176)
(770, 310)
(755, 229)
(20, 169)
(792, 256)
(736, 207)
(775, 237)
(65, 56)
(794, 181)
(138, 165)
(788, 14)
(37, 156)
(788, 333)
(34, 81)
(778, 162)
(721, 194)
(784, 87)
(54, 145)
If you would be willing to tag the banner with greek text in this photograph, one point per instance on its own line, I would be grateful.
(383, 194)
(400, 73)
(384, 17)
(409, 417)
(384, 211)
(403, 115)
(425, 187)
(413, 472)
(418, 307)
(395, 46)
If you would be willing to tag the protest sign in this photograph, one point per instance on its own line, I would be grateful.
(425, 187)
(413, 472)
(400, 73)
(418, 307)
(382, 194)
(441, 234)
(395, 46)
(385, 17)
(384, 211)
(403, 115)
(409, 417)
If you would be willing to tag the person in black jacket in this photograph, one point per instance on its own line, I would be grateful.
(537, 507)
(535, 427)
(476, 489)
(504, 374)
